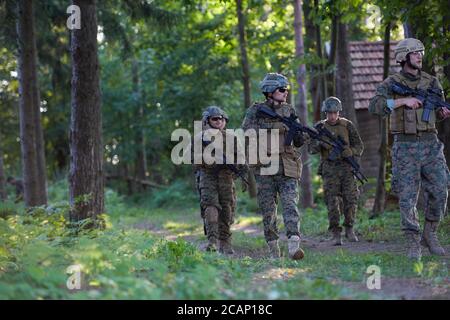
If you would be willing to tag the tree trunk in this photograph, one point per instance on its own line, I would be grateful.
(311, 45)
(307, 200)
(322, 77)
(344, 90)
(245, 79)
(31, 136)
(444, 126)
(408, 30)
(310, 28)
(3, 194)
(244, 57)
(86, 152)
(140, 157)
(332, 56)
(380, 196)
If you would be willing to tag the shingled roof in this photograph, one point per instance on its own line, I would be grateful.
(367, 66)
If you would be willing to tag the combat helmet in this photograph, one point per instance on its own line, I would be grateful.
(213, 111)
(331, 104)
(273, 81)
(406, 46)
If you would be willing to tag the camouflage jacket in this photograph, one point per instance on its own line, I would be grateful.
(291, 164)
(214, 168)
(343, 128)
(379, 103)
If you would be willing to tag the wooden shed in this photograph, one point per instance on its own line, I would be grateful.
(367, 65)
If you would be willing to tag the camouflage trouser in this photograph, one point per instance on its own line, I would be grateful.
(268, 189)
(218, 190)
(426, 197)
(338, 181)
(415, 165)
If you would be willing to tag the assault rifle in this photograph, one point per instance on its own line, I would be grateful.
(431, 98)
(338, 146)
(318, 133)
(230, 166)
(293, 125)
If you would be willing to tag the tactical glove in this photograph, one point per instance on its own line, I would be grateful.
(299, 139)
(326, 146)
(347, 152)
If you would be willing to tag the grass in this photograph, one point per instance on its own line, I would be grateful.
(128, 260)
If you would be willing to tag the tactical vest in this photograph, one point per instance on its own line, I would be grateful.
(340, 129)
(290, 160)
(213, 168)
(406, 120)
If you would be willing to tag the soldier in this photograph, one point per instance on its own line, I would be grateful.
(285, 182)
(18, 185)
(417, 154)
(217, 190)
(338, 179)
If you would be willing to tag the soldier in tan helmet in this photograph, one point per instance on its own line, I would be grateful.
(215, 183)
(337, 175)
(283, 184)
(417, 154)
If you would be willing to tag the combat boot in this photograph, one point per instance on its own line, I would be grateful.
(212, 215)
(274, 249)
(212, 244)
(225, 247)
(337, 238)
(430, 239)
(350, 234)
(295, 252)
(414, 251)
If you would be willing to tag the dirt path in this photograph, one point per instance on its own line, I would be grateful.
(391, 288)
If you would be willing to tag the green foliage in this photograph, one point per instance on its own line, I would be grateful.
(177, 195)
(7, 208)
(162, 63)
(128, 261)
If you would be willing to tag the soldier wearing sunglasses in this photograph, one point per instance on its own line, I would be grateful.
(215, 183)
(284, 183)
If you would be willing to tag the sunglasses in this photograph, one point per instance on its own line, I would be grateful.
(282, 90)
(216, 118)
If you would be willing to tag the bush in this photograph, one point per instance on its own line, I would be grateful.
(178, 194)
(7, 208)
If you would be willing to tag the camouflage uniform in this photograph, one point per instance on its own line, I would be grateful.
(338, 179)
(283, 183)
(215, 183)
(417, 159)
(216, 187)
